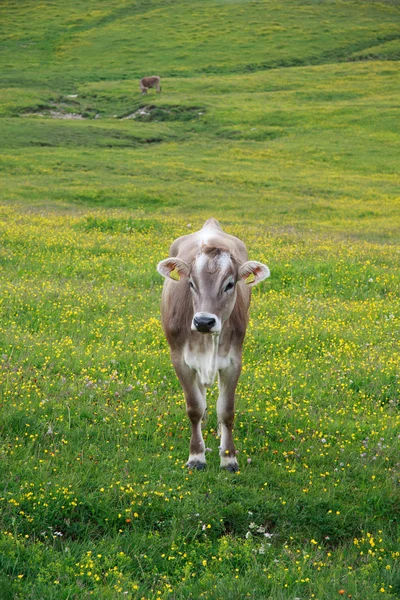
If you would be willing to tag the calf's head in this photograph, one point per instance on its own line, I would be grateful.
(211, 280)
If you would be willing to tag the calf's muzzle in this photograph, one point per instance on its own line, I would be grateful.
(205, 323)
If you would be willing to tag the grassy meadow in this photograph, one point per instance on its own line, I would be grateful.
(281, 119)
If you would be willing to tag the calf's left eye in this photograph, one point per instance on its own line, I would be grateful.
(229, 286)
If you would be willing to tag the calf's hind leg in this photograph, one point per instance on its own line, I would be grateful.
(195, 395)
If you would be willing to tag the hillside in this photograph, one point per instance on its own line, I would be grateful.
(236, 117)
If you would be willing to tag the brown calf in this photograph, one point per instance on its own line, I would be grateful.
(204, 315)
(150, 82)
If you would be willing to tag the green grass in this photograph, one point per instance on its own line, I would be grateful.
(281, 119)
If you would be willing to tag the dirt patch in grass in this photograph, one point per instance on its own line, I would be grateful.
(166, 113)
(55, 114)
(61, 110)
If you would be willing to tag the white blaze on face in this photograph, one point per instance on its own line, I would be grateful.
(208, 321)
(201, 262)
(224, 261)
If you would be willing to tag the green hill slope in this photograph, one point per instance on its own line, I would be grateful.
(306, 139)
(114, 40)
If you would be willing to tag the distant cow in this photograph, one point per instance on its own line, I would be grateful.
(150, 82)
(204, 316)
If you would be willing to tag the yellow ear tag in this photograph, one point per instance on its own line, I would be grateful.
(174, 275)
(250, 278)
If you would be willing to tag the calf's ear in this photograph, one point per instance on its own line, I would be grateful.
(170, 266)
(254, 272)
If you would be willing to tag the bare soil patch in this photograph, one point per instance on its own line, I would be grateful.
(166, 113)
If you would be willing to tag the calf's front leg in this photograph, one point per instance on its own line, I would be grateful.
(228, 379)
(195, 395)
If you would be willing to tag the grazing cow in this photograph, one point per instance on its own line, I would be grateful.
(204, 315)
(150, 82)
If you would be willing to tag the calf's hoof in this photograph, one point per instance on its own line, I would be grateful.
(231, 468)
(229, 463)
(196, 464)
(196, 460)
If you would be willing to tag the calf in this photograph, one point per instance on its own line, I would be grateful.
(204, 314)
(150, 82)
